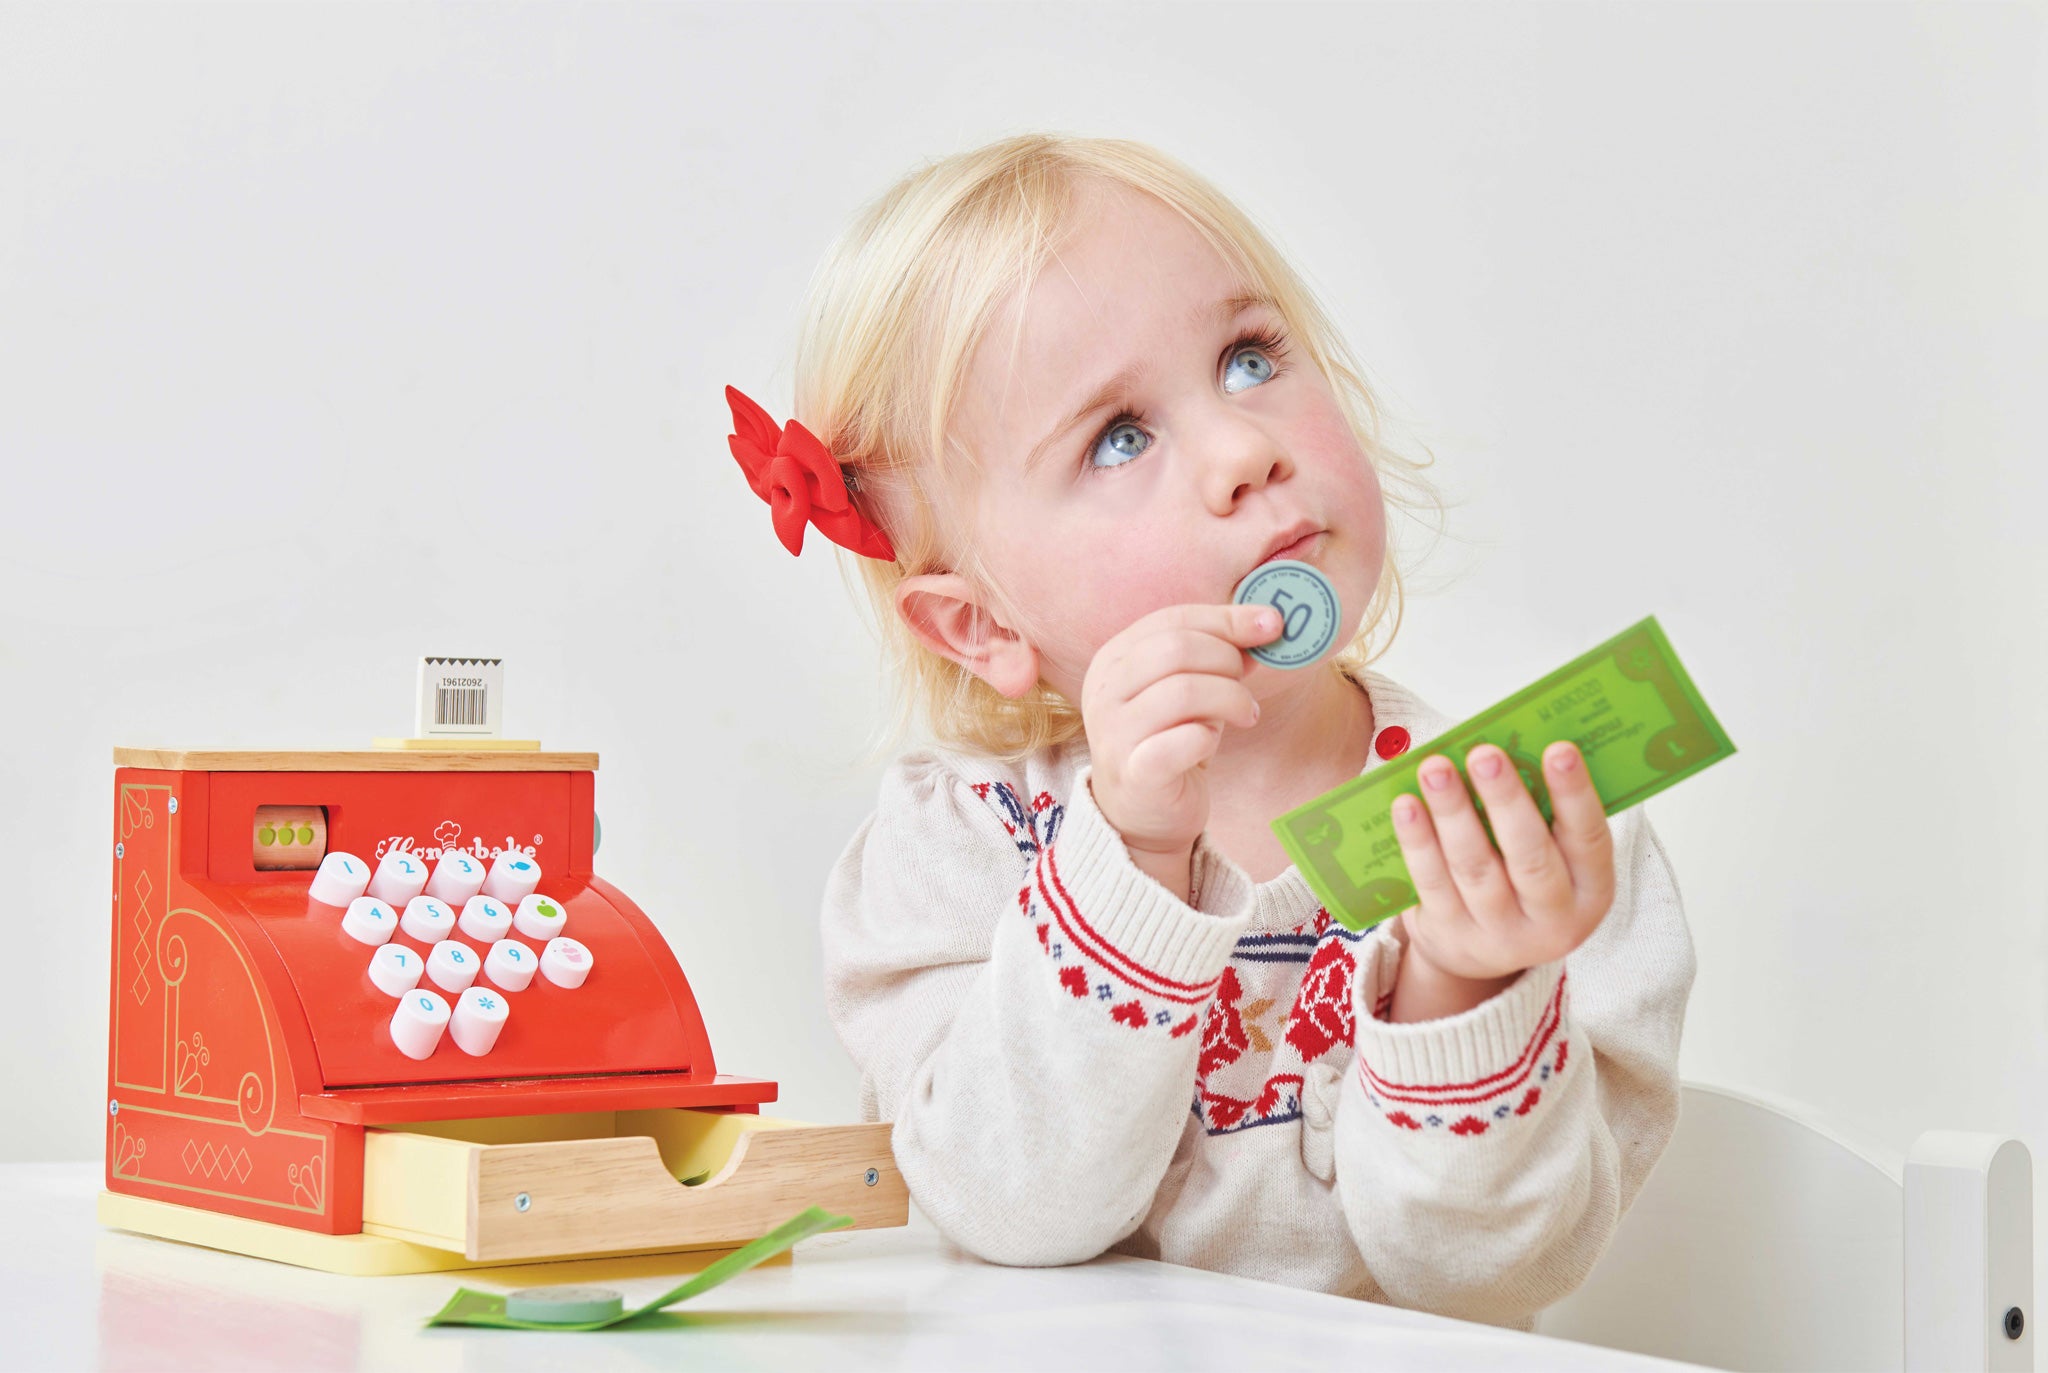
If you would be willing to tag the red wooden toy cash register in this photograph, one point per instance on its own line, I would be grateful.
(374, 1012)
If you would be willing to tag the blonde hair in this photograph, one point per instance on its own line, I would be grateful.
(890, 325)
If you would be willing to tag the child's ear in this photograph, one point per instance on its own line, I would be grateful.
(950, 619)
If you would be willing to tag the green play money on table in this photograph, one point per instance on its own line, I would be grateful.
(471, 1307)
(1629, 705)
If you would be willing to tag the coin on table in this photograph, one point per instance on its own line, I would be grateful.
(564, 1305)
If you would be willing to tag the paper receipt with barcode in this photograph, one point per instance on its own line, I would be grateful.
(459, 696)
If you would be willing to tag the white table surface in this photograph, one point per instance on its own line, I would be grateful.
(75, 1295)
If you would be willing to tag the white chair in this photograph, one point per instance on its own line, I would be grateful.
(1766, 1238)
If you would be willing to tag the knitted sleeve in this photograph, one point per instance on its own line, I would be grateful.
(1024, 1003)
(1484, 1159)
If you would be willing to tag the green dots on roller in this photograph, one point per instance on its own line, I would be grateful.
(305, 834)
(564, 1305)
(266, 836)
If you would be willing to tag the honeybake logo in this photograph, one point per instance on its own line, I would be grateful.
(448, 840)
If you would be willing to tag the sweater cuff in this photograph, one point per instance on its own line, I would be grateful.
(1493, 1060)
(1148, 930)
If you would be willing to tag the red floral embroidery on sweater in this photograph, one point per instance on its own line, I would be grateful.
(1226, 1111)
(1087, 966)
(1130, 1013)
(1033, 827)
(1322, 1014)
(1223, 1036)
(1486, 1100)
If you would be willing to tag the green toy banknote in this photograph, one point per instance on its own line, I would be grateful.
(1635, 715)
(471, 1307)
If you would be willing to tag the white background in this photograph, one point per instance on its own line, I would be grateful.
(332, 337)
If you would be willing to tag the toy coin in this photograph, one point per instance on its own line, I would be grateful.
(564, 1305)
(1309, 612)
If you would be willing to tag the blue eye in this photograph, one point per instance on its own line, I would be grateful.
(1257, 366)
(1251, 354)
(1122, 435)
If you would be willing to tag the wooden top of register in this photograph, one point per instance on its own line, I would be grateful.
(354, 760)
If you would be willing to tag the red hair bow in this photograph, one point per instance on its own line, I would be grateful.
(797, 475)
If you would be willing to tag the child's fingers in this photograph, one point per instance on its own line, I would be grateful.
(1252, 625)
(1481, 880)
(1245, 625)
(1189, 696)
(1580, 821)
(1435, 890)
(1162, 758)
(1535, 867)
(1160, 655)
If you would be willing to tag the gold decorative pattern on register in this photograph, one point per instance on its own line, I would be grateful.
(141, 1048)
(136, 814)
(308, 1188)
(140, 987)
(216, 1161)
(128, 1152)
(192, 1056)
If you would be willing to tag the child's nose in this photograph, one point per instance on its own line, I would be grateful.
(1239, 458)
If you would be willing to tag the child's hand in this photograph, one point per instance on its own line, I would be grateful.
(1154, 702)
(1479, 918)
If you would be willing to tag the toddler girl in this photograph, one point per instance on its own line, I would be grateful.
(1061, 395)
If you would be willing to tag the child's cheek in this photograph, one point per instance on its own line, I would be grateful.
(1345, 489)
(1123, 574)
(1324, 447)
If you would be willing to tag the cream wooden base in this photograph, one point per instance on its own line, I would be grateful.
(528, 1190)
(375, 1255)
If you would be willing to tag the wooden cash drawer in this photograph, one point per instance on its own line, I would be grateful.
(609, 1182)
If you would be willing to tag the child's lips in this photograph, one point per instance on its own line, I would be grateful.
(1298, 551)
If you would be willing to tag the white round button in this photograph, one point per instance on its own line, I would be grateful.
(565, 962)
(453, 965)
(417, 1023)
(427, 919)
(369, 920)
(457, 877)
(479, 1015)
(511, 965)
(540, 918)
(396, 969)
(486, 919)
(341, 879)
(400, 877)
(512, 877)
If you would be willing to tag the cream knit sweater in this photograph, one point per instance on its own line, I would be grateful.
(1077, 1061)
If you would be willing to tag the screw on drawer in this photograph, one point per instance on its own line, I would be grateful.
(873, 1177)
(2014, 1323)
(521, 1202)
